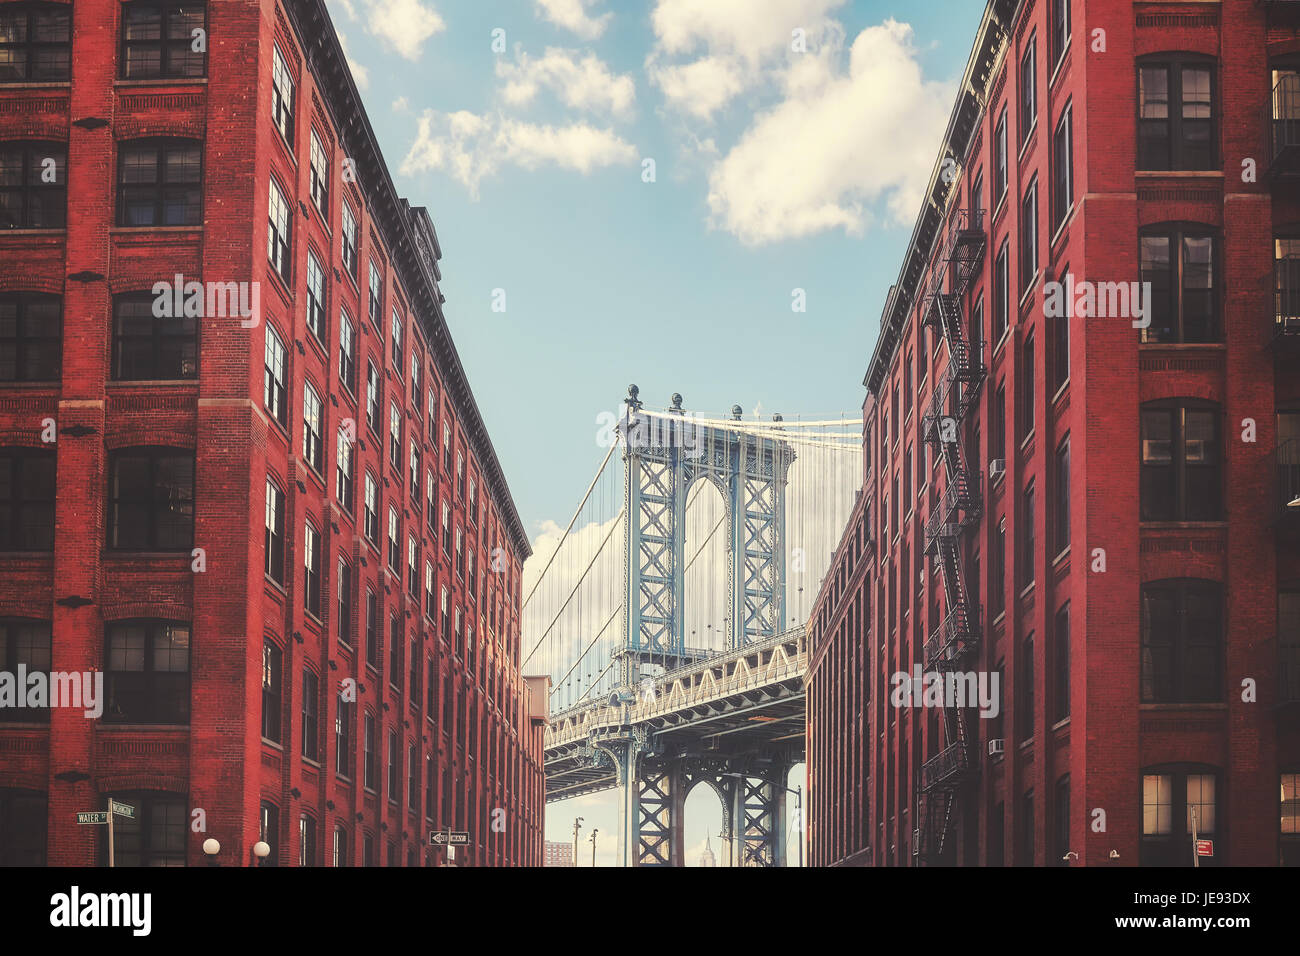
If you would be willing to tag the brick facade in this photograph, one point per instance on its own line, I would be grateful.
(1088, 725)
(477, 752)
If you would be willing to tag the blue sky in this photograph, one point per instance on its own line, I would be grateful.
(791, 140)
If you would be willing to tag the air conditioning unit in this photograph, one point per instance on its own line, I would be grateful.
(997, 746)
(998, 466)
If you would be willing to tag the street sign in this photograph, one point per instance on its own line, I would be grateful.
(122, 809)
(93, 816)
(1205, 848)
(449, 838)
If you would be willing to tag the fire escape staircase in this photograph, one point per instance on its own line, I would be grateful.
(952, 645)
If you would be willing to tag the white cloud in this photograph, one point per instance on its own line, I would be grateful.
(735, 45)
(584, 84)
(835, 145)
(472, 147)
(403, 24)
(572, 15)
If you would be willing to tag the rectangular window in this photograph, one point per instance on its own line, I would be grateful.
(311, 427)
(26, 644)
(1060, 27)
(151, 500)
(343, 717)
(31, 337)
(371, 525)
(320, 176)
(159, 183)
(27, 487)
(1000, 159)
(274, 543)
(1061, 515)
(396, 338)
(998, 427)
(998, 571)
(1028, 555)
(344, 610)
(279, 236)
(396, 645)
(1182, 267)
(148, 673)
(1061, 661)
(1182, 642)
(308, 854)
(33, 186)
(1025, 384)
(282, 104)
(1028, 90)
(394, 537)
(146, 347)
(395, 435)
(394, 766)
(349, 241)
(369, 756)
(1002, 292)
(1176, 107)
(272, 661)
(343, 464)
(1029, 236)
(1025, 688)
(1062, 168)
(376, 299)
(372, 397)
(159, 40)
(315, 298)
(311, 568)
(372, 629)
(273, 391)
(412, 564)
(1180, 470)
(36, 43)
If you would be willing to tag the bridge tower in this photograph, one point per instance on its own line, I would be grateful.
(664, 455)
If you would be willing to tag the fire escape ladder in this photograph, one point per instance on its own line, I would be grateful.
(953, 642)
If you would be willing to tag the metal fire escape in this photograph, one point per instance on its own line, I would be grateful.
(952, 644)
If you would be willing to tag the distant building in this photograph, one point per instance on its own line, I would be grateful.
(707, 858)
(558, 854)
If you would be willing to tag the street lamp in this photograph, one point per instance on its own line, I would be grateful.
(594, 831)
(210, 849)
(577, 825)
(261, 850)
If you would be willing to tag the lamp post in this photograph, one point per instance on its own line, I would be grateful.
(261, 850)
(594, 831)
(210, 850)
(577, 825)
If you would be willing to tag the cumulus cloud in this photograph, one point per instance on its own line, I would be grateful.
(472, 147)
(583, 84)
(835, 145)
(733, 45)
(403, 25)
(572, 15)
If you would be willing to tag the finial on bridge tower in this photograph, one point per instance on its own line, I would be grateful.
(677, 402)
(736, 412)
(632, 399)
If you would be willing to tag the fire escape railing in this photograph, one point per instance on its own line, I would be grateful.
(1286, 297)
(953, 642)
(1282, 120)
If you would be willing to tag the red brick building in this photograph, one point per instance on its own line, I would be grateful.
(285, 541)
(1091, 503)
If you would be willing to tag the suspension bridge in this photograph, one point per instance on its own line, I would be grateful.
(670, 615)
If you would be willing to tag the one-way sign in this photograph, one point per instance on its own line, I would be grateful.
(449, 838)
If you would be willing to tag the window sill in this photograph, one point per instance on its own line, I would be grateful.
(124, 383)
(1026, 441)
(54, 231)
(1208, 705)
(1061, 556)
(1061, 59)
(273, 743)
(1179, 173)
(1028, 292)
(36, 85)
(1027, 140)
(162, 81)
(1061, 391)
(146, 230)
(311, 763)
(1026, 590)
(1063, 722)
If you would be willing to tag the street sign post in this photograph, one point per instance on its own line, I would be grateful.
(449, 837)
(122, 809)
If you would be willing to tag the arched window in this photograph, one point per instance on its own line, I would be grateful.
(1181, 263)
(147, 676)
(1177, 111)
(155, 836)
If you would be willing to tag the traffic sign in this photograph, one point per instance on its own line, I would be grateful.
(122, 809)
(449, 838)
(93, 816)
(1205, 848)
